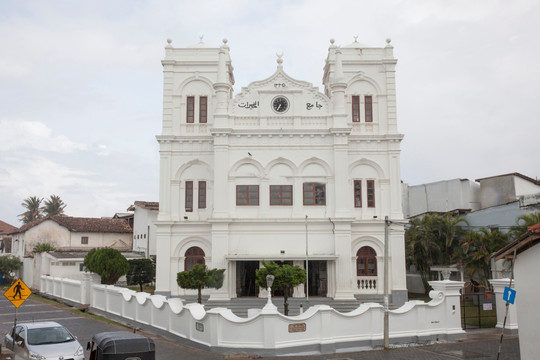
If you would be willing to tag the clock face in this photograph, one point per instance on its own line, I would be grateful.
(280, 104)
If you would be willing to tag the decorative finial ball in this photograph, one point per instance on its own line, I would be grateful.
(388, 40)
(169, 41)
(225, 41)
(332, 41)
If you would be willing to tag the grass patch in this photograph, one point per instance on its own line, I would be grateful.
(474, 315)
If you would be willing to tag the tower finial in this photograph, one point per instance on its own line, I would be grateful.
(332, 45)
(201, 38)
(279, 59)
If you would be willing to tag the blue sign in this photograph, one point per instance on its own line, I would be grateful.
(509, 295)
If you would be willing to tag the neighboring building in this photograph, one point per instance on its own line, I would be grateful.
(67, 264)
(493, 202)
(456, 195)
(504, 189)
(281, 170)
(527, 252)
(66, 233)
(125, 216)
(144, 229)
(5, 239)
(73, 233)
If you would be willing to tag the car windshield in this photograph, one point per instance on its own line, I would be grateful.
(49, 335)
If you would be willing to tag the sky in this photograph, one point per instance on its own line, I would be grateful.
(81, 85)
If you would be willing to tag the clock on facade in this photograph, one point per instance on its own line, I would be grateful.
(280, 104)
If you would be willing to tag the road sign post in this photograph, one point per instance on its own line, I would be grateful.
(17, 294)
(509, 295)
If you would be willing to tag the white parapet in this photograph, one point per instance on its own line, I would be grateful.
(319, 329)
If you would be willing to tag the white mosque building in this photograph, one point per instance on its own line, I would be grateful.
(282, 172)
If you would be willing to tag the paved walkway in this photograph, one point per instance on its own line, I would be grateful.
(482, 344)
(479, 345)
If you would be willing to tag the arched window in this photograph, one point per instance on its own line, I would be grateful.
(194, 255)
(366, 262)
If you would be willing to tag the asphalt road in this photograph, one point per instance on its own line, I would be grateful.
(84, 326)
(480, 344)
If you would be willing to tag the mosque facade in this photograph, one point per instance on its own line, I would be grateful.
(281, 172)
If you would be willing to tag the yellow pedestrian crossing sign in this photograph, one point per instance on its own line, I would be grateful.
(18, 293)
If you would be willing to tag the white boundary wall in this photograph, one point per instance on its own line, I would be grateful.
(320, 329)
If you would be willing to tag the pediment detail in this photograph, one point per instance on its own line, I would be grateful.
(304, 99)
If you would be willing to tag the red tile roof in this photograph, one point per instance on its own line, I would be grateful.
(150, 205)
(522, 243)
(78, 224)
(5, 228)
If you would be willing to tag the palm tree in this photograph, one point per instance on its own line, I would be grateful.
(33, 211)
(449, 228)
(422, 246)
(53, 206)
(478, 246)
(523, 222)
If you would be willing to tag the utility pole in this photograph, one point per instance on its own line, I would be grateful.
(307, 269)
(386, 324)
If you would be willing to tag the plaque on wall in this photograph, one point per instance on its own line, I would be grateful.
(297, 327)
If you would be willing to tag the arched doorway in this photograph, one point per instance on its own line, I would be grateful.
(366, 269)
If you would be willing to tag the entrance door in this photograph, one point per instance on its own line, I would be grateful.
(245, 278)
(318, 278)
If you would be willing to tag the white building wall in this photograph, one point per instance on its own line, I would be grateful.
(144, 231)
(46, 232)
(525, 187)
(442, 196)
(527, 295)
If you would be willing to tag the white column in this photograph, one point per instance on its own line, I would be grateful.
(511, 318)
(163, 263)
(344, 281)
(450, 292)
(220, 249)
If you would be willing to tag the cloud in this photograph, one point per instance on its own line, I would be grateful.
(26, 135)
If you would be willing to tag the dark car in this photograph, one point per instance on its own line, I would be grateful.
(121, 345)
(43, 341)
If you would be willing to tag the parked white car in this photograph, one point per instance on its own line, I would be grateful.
(43, 341)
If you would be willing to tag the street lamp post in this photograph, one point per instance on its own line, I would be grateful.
(269, 282)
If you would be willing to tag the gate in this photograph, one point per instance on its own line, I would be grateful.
(478, 310)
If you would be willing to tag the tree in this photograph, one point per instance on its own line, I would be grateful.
(523, 222)
(422, 248)
(478, 246)
(43, 247)
(9, 264)
(286, 278)
(53, 206)
(141, 272)
(449, 229)
(33, 211)
(108, 263)
(200, 277)
(433, 240)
